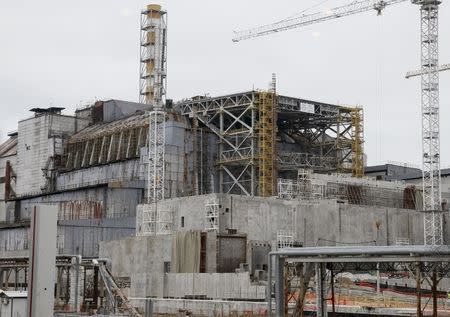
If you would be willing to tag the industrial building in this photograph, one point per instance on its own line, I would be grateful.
(182, 202)
(222, 195)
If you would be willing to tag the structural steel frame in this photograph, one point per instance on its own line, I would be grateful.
(106, 143)
(431, 262)
(322, 130)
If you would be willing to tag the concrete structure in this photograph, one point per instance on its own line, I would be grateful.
(145, 260)
(93, 167)
(41, 283)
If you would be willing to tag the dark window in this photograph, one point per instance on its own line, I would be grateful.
(166, 267)
(182, 222)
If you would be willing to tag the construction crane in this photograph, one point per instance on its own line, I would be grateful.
(429, 72)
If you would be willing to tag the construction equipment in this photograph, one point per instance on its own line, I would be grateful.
(429, 73)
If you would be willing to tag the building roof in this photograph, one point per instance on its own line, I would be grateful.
(108, 128)
(9, 147)
(444, 172)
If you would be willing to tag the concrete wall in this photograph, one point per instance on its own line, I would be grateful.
(36, 141)
(324, 222)
(142, 259)
(213, 285)
(203, 307)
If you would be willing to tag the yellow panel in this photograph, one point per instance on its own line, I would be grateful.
(357, 142)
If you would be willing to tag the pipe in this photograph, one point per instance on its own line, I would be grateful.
(418, 250)
(269, 286)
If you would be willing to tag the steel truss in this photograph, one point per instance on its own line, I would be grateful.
(233, 119)
(333, 139)
(433, 230)
(425, 263)
(153, 66)
(156, 151)
(321, 130)
(212, 208)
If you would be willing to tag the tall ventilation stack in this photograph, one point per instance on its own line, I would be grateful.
(152, 219)
(152, 84)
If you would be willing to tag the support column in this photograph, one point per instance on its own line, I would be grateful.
(76, 281)
(42, 260)
(321, 290)
(279, 286)
(434, 292)
(418, 289)
(269, 286)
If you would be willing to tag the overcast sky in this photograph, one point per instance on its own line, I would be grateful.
(68, 53)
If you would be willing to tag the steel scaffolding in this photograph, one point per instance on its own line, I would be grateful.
(267, 146)
(357, 142)
(433, 232)
(295, 133)
(156, 150)
(212, 207)
(153, 43)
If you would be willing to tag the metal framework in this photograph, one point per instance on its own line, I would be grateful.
(430, 263)
(357, 142)
(267, 143)
(357, 191)
(293, 161)
(154, 220)
(430, 122)
(212, 207)
(233, 119)
(429, 72)
(106, 143)
(321, 133)
(153, 59)
(285, 239)
(156, 151)
(307, 19)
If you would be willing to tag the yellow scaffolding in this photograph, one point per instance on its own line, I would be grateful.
(357, 118)
(267, 145)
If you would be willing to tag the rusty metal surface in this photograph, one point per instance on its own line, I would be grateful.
(80, 210)
(232, 251)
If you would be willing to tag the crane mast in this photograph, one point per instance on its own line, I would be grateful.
(429, 72)
(431, 167)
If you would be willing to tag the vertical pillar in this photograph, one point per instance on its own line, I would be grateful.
(378, 280)
(8, 181)
(253, 145)
(16, 279)
(269, 286)
(42, 261)
(221, 127)
(76, 281)
(434, 292)
(279, 286)
(418, 289)
(321, 300)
